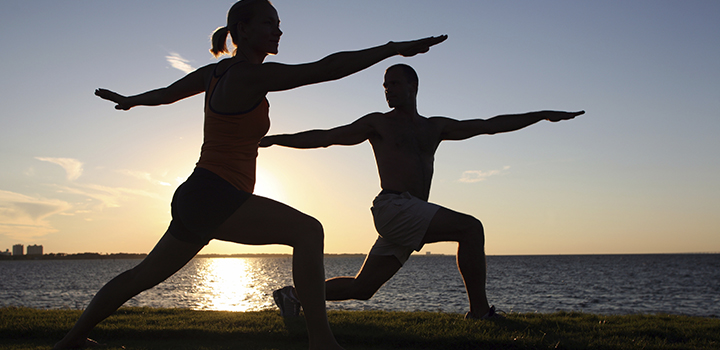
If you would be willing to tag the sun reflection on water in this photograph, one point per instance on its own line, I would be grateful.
(231, 285)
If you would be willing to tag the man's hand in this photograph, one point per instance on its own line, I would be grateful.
(556, 116)
(122, 101)
(414, 47)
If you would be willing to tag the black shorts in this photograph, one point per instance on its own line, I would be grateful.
(201, 204)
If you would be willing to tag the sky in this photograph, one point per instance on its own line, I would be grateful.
(636, 174)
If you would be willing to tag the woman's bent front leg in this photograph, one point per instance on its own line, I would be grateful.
(261, 221)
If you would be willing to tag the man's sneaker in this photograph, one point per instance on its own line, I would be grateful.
(286, 301)
(490, 315)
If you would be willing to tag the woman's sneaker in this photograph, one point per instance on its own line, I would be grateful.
(286, 301)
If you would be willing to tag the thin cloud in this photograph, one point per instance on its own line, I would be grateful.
(73, 167)
(144, 176)
(108, 197)
(26, 217)
(177, 62)
(471, 176)
(23, 217)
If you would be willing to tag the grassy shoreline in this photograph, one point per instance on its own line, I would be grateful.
(152, 328)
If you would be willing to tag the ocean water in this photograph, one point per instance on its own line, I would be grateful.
(682, 284)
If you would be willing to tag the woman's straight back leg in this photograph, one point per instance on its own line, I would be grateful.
(168, 256)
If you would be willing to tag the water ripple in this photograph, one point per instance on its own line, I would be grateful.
(606, 284)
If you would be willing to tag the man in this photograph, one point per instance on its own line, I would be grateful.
(404, 143)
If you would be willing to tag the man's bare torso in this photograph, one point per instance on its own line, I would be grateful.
(404, 149)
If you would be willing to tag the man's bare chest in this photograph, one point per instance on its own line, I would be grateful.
(411, 139)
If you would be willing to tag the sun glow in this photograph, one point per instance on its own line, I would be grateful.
(231, 285)
(267, 185)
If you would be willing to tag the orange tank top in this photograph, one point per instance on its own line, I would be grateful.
(230, 145)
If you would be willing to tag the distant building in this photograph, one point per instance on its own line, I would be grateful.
(35, 250)
(18, 250)
(6, 252)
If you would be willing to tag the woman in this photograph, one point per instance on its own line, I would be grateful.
(216, 202)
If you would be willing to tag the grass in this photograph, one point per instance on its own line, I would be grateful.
(151, 329)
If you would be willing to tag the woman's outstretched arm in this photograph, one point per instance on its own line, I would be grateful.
(278, 77)
(189, 85)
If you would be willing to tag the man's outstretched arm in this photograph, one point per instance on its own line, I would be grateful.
(460, 130)
(351, 134)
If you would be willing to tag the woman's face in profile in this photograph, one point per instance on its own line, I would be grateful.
(263, 31)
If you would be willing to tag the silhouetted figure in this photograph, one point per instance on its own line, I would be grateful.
(216, 202)
(404, 143)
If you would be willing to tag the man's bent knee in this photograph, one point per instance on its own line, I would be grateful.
(473, 230)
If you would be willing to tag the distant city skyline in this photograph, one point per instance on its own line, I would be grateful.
(424, 252)
(20, 249)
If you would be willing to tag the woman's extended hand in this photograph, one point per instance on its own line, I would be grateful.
(556, 116)
(122, 101)
(414, 47)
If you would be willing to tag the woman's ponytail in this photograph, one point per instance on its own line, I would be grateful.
(219, 42)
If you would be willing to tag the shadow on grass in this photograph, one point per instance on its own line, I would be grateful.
(417, 330)
(147, 328)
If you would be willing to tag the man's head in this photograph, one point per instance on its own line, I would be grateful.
(401, 86)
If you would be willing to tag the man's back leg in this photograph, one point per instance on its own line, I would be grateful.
(376, 270)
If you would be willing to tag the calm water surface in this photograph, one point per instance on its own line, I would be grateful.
(687, 284)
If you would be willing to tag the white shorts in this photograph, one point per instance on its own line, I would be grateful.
(401, 220)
